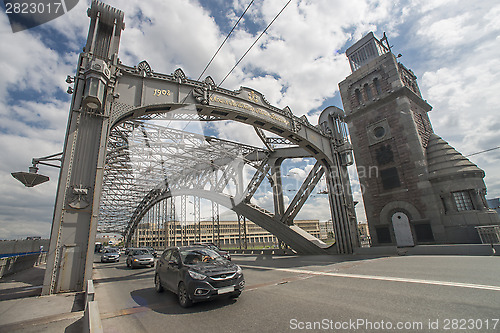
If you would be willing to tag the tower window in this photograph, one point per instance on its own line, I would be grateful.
(383, 235)
(376, 83)
(358, 96)
(390, 178)
(368, 92)
(379, 132)
(384, 155)
(423, 232)
(463, 200)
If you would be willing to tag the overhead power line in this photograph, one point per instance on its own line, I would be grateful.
(482, 151)
(255, 42)
(217, 52)
(227, 37)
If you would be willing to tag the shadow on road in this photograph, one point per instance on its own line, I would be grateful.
(27, 283)
(166, 302)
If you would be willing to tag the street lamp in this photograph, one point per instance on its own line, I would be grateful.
(32, 178)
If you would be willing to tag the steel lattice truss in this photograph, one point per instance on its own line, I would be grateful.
(142, 156)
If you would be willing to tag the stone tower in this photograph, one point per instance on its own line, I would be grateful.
(417, 189)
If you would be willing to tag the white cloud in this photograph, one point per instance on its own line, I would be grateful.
(460, 78)
(451, 45)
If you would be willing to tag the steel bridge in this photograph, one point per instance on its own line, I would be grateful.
(118, 163)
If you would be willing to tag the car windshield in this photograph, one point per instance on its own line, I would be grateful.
(201, 255)
(140, 252)
(110, 251)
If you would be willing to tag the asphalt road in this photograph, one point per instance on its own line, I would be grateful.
(316, 294)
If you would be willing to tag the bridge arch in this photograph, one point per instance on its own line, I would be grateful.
(106, 93)
(140, 94)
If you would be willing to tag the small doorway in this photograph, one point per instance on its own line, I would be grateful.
(402, 230)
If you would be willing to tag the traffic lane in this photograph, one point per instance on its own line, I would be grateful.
(275, 307)
(125, 300)
(114, 281)
(156, 312)
(475, 270)
(119, 287)
(465, 269)
(351, 298)
(274, 298)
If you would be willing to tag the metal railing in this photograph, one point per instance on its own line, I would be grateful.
(489, 234)
(19, 262)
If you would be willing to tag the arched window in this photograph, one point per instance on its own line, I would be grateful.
(376, 83)
(368, 92)
(358, 96)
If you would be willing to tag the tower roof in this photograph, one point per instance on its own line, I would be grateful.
(444, 161)
(365, 50)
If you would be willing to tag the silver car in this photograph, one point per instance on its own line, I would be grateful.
(110, 255)
(140, 257)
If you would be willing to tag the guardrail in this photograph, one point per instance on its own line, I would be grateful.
(92, 318)
(278, 252)
(19, 262)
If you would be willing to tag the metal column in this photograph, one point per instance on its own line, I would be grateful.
(74, 226)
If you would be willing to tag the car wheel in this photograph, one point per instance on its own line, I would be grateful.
(128, 264)
(158, 286)
(183, 296)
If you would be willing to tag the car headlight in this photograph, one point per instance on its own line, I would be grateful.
(136, 259)
(239, 270)
(196, 276)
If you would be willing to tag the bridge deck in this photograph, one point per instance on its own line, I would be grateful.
(283, 293)
(309, 288)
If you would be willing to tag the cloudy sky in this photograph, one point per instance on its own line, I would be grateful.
(452, 46)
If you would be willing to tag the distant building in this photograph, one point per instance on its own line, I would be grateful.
(109, 238)
(494, 204)
(364, 234)
(229, 234)
(417, 189)
(363, 230)
(326, 230)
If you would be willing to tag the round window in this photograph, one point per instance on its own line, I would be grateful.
(379, 132)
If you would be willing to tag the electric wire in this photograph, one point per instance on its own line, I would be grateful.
(482, 151)
(215, 54)
(255, 42)
(227, 37)
(220, 47)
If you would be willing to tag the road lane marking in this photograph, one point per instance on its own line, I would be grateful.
(380, 278)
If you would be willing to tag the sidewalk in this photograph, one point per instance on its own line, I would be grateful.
(444, 249)
(22, 309)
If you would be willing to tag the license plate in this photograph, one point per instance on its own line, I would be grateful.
(225, 290)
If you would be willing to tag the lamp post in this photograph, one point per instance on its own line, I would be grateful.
(33, 178)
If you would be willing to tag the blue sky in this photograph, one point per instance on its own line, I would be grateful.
(452, 46)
